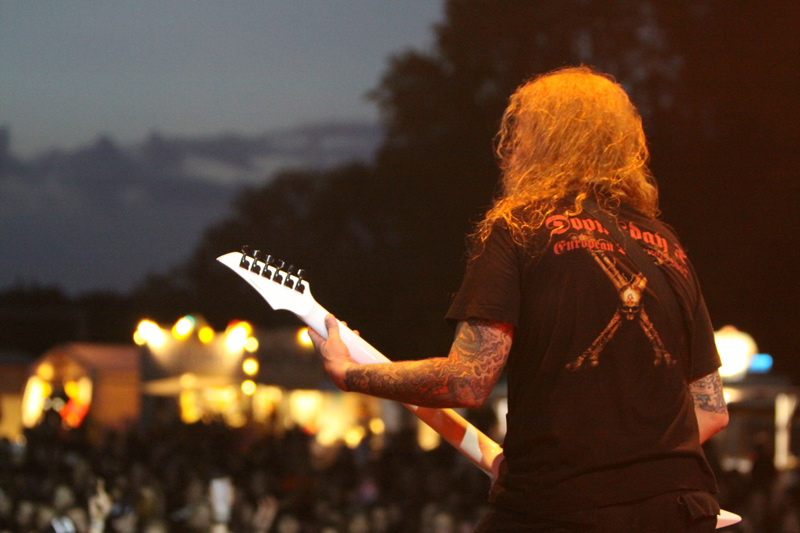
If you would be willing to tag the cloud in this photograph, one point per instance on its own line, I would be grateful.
(101, 217)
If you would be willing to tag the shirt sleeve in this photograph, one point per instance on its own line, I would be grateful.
(705, 357)
(490, 289)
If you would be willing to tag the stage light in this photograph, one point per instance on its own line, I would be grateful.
(183, 327)
(377, 426)
(46, 371)
(354, 436)
(206, 334)
(736, 349)
(236, 336)
(305, 407)
(36, 392)
(303, 337)
(761, 363)
(427, 438)
(151, 333)
(250, 366)
(248, 387)
(251, 345)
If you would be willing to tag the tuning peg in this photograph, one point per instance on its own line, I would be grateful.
(268, 260)
(289, 281)
(300, 286)
(244, 263)
(278, 277)
(256, 256)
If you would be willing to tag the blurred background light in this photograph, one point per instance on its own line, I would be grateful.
(251, 345)
(761, 363)
(248, 387)
(250, 366)
(183, 327)
(150, 333)
(206, 334)
(303, 337)
(236, 336)
(736, 349)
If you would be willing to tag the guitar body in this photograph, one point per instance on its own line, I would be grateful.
(283, 288)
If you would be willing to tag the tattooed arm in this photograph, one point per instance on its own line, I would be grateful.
(462, 379)
(709, 405)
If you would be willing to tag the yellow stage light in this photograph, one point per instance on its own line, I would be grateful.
(427, 438)
(250, 366)
(354, 436)
(206, 334)
(251, 345)
(377, 426)
(138, 339)
(305, 406)
(248, 387)
(183, 327)
(151, 333)
(736, 349)
(46, 371)
(237, 335)
(303, 337)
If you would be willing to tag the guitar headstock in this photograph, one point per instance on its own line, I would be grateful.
(281, 285)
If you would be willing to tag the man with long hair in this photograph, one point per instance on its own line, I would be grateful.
(611, 389)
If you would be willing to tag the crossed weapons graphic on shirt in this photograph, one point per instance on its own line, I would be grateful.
(630, 306)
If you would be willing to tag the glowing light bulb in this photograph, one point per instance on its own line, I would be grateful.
(151, 333)
(248, 387)
(250, 366)
(206, 334)
(303, 337)
(183, 327)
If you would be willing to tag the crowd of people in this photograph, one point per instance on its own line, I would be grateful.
(161, 479)
(208, 477)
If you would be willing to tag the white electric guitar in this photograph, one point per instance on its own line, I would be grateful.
(286, 288)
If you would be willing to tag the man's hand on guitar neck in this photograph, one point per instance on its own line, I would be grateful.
(334, 352)
(462, 379)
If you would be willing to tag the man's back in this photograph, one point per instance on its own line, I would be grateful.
(599, 411)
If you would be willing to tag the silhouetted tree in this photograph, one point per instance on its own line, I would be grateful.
(34, 318)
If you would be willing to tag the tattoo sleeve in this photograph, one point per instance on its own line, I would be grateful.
(707, 394)
(462, 379)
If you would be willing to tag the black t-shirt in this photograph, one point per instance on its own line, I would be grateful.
(598, 405)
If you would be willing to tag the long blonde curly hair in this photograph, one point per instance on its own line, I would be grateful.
(566, 136)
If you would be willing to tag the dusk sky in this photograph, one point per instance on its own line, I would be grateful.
(75, 70)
